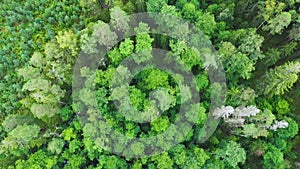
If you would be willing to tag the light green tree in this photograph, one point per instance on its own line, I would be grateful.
(231, 154)
(37, 160)
(23, 136)
(277, 24)
(56, 145)
(155, 6)
(279, 80)
(119, 19)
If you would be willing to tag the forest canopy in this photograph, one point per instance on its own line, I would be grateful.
(149, 84)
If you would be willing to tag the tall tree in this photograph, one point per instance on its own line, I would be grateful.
(277, 24)
(279, 80)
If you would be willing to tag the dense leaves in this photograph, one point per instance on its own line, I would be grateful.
(41, 123)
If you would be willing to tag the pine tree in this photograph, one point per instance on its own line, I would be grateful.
(279, 80)
(277, 24)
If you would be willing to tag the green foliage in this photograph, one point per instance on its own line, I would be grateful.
(189, 56)
(21, 137)
(119, 19)
(164, 99)
(74, 160)
(250, 44)
(196, 114)
(162, 161)
(288, 49)
(25, 28)
(36, 84)
(160, 124)
(263, 121)
(247, 41)
(74, 145)
(273, 158)
(126, 47)
(56, 145)
(68, 134)
(277, 24)
(290, 131)
(104, 78)
(282, 107)
(272, 56)
(206, 23)
(39, 159)
(143, 45)
(295, 33)
(40, 119)
(269, 8)
(101, 30)
(42, 110)
(68, 42)
(189, 12)
(137, 98)
(215, 164)
(87, 3)
(13, 120)
(107, 161)
(193, 157)
(279, 80)
(236, 64)
(251, 122)
(232, 154)
(137, 148)
(115, 56)
(202, 81)
(155, 5)
(151, 79)
(66, 113)
(18, 133)
(241, 96)
(55, 65)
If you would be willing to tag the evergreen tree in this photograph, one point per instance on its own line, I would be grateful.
(279, 80)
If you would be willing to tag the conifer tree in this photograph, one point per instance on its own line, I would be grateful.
(279, 80)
